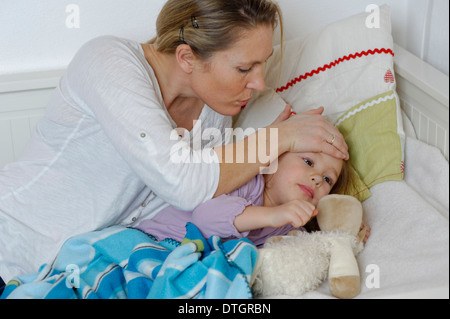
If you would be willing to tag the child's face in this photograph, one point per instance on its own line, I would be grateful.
(306, 176)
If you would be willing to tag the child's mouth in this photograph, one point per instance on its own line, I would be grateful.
(307, 190)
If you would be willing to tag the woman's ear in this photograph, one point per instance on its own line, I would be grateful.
(185, 58)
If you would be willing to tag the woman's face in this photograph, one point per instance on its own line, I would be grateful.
(305, 176)
(225, 81)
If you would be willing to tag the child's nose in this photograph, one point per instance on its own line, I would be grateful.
(316, 179)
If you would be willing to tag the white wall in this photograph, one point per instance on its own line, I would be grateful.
(34, 34)
(420, 26)
(40, 35)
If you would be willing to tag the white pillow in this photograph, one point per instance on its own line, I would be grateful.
(338, 67)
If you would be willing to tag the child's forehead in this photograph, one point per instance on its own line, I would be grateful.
(323, 158)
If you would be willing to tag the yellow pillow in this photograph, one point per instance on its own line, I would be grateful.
(371, 132)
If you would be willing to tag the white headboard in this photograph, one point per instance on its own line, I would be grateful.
(23, 100)
(424, 94)
(423, 90)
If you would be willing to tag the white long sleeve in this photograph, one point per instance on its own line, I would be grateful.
(100, 156)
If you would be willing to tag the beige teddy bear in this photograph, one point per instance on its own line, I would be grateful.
(294, 264)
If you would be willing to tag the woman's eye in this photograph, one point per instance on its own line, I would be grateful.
(244, 70)
(308, 162)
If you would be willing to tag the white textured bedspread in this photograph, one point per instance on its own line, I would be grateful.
(407, 254)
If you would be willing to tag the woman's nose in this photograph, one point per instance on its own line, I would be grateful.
(257, 81)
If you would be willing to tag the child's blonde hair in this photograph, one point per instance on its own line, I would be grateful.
(340, 187)
(342, 184)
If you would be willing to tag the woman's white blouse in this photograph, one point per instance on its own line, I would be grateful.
(103, 154)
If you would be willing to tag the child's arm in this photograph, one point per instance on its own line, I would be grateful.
(296, 213)
(216, 216)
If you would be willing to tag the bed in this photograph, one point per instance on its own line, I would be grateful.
(407, 255)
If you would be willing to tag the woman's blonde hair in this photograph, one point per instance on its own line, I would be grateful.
(209, 26)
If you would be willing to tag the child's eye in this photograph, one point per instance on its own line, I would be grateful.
(308, 162)
(328, 180)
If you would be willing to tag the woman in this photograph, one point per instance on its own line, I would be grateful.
(101, 155)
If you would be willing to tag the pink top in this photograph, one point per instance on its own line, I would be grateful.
(215, 217)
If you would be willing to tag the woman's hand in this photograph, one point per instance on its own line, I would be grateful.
(310, 132)
(287, 112)
(307, 132)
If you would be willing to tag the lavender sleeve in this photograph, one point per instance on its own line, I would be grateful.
(216, 216)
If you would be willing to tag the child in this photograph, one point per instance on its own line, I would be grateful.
(269, 205)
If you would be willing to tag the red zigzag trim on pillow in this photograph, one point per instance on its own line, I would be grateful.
(333, 64)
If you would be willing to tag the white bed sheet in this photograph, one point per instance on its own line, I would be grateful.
(409, 242)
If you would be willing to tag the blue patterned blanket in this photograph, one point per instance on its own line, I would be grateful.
(120, 262)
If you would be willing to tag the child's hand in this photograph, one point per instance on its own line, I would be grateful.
(296, 213)
(364, 233)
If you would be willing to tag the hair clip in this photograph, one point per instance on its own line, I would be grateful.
(181, 35)
(194, 22)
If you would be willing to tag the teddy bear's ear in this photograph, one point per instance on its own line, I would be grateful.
(340, 212)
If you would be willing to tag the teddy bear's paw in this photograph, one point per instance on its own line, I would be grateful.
(345, 287)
